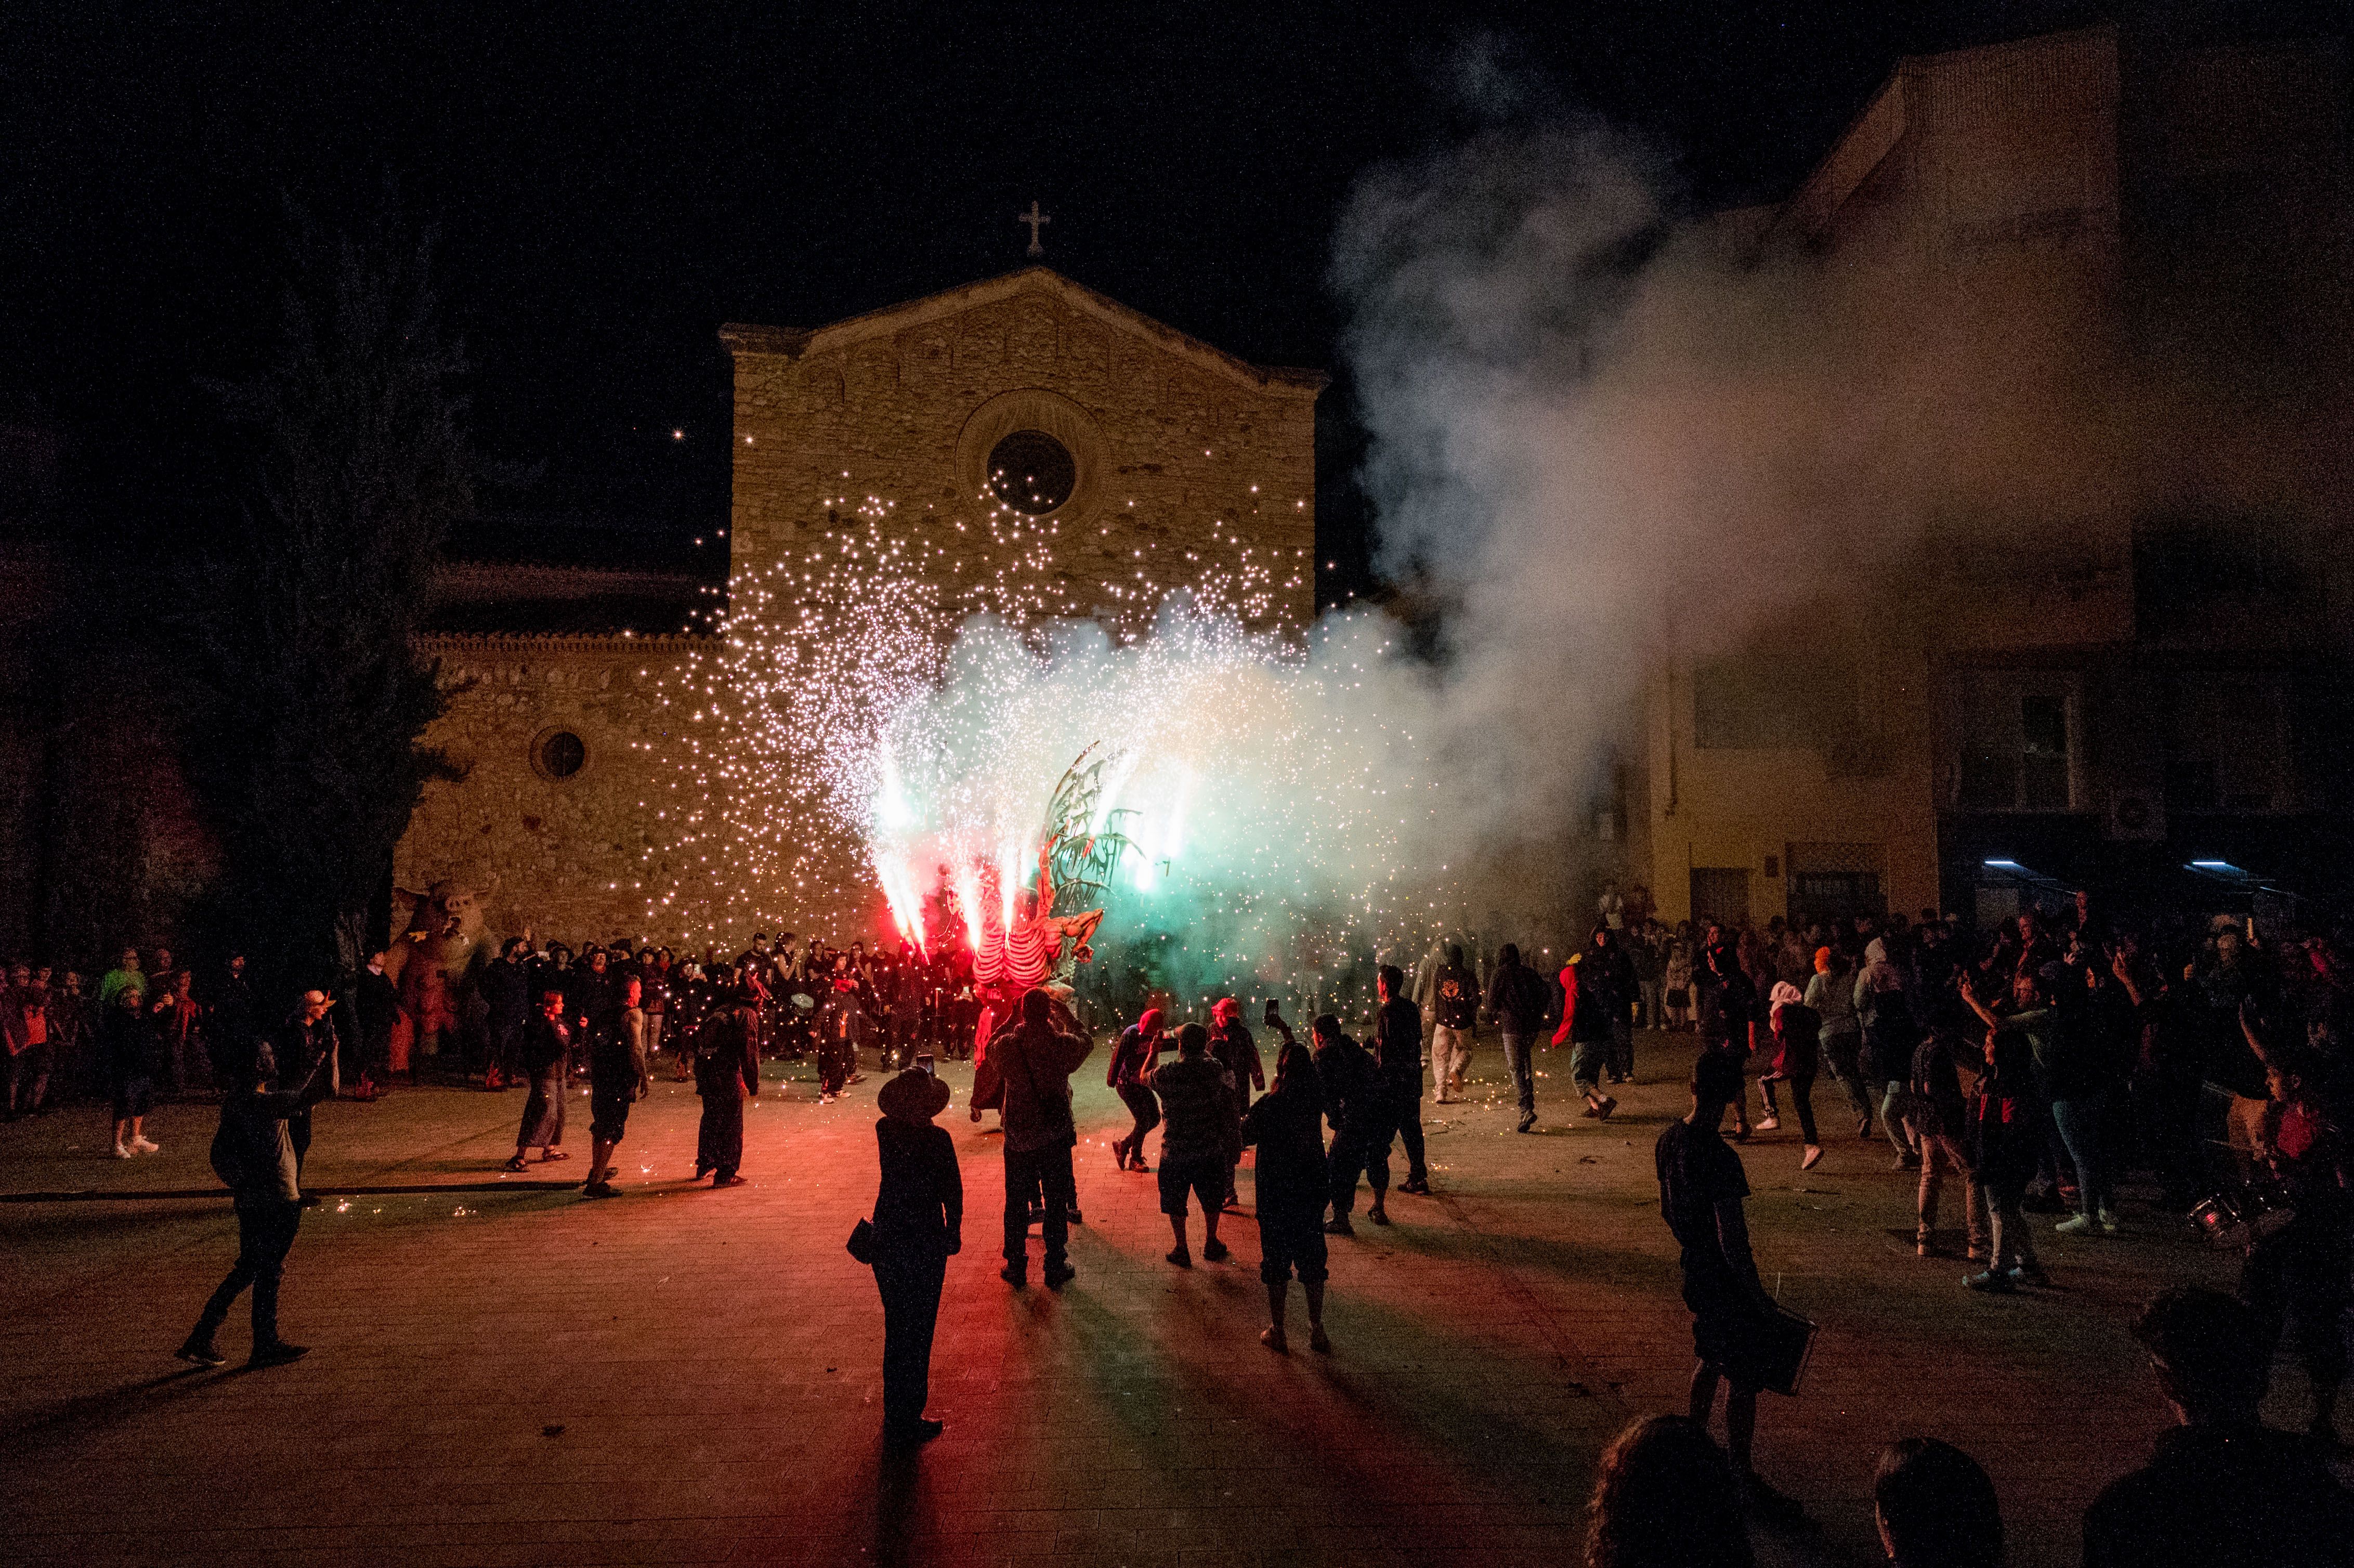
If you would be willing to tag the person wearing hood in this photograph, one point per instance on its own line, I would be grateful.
(1516, 1001)
(1130, 1076)
(1794, 1030)
(1456, 999)
(1728, 1017)
(1883, 1005)
(919, 1225)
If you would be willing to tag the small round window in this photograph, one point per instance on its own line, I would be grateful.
(560, 753)
(1032, 472)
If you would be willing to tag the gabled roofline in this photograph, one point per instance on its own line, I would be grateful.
(740, 338)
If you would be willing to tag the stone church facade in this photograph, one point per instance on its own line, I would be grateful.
(969, 430)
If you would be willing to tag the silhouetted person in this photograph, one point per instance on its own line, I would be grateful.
(727, 1074)
(1199, 1140)
(919, 1225)
(1398, 1056)
(1036, 1061)
(1935, 1507)
(254, 1154)
(1664, 1497)
(2221, 1490)
(1701, 1187)
(1292, 1186)
(618, 1078)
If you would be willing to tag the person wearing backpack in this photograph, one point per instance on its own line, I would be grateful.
(253, 1155)
(1516, 1006)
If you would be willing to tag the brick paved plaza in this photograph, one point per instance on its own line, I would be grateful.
(505, 1372)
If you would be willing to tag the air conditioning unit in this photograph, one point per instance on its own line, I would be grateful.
(2136, 814)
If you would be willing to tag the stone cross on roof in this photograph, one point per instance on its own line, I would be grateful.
(1034, 219)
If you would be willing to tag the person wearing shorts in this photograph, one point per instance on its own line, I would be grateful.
(1199, 1132)
(1701, 1188)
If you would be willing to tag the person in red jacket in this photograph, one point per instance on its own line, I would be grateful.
(1588, 1031)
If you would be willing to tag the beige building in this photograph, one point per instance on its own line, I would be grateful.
(1022, 431)
(2123, 692)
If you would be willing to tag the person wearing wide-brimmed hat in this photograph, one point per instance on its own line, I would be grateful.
(918, 1223)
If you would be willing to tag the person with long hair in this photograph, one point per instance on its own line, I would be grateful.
(1664, 1497)
(2006, 1137)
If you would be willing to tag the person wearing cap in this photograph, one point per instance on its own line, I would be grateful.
(919, 1225)
(547, 1051)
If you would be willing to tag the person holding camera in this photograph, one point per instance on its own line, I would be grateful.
(253, 1153)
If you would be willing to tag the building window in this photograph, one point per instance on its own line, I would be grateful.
(2017, 751)
(558, 754)
(2227, 745)
(1033, 472)
(1787, 699)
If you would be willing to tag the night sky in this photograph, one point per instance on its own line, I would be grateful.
(611, 182)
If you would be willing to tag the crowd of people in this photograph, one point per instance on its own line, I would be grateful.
(2036, 1067)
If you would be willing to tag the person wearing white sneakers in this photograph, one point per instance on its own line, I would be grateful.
(128, 1043)
(1797, 1031)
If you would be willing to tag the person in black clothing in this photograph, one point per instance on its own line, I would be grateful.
(253, 1152)
(507, 993)
(726, 1073)
(1398, 1056)
(1701, 1186)
(918, 1226)
(2221, 1490)
(1292, 1184)
(1516, 1006)
(1935, 1507)
(1606, 981)
(309, 1033)
(233, 1035)
(127, 1044)
(618, 1078)
(546, 1058)
(376, 1008)
(1728, 1016)
(1352, 1103)
(1130, 1076)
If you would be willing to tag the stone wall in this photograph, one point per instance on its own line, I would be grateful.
(1193, 467)
(578, 856)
